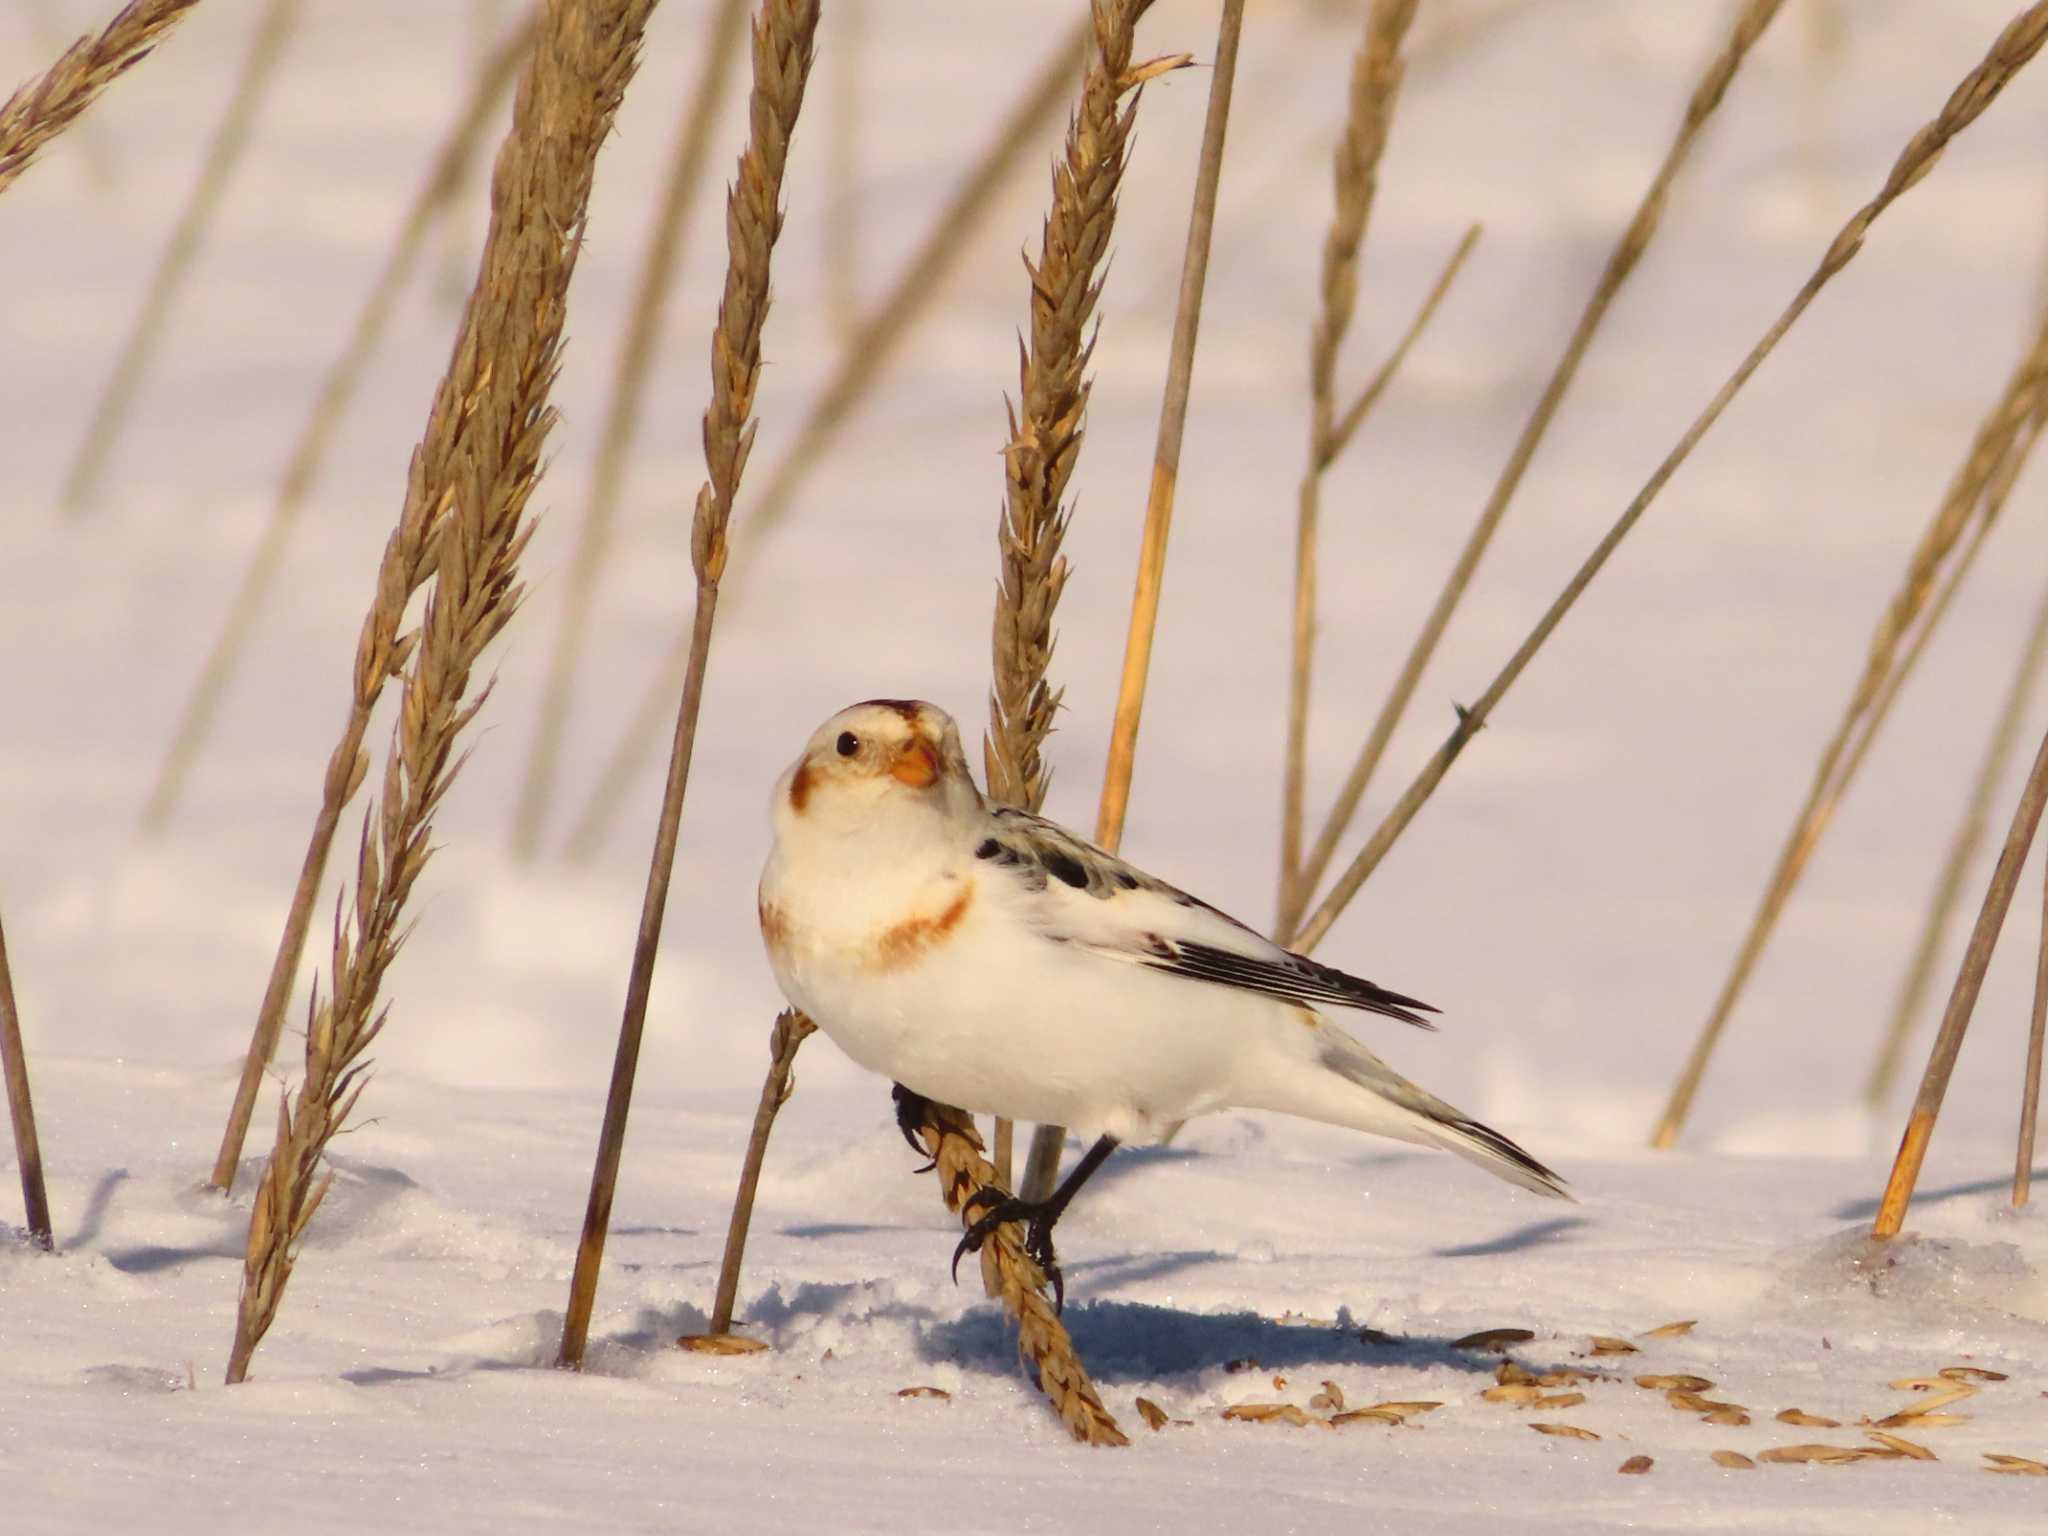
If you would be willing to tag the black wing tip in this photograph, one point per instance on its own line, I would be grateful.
(1510, 1150)
(1374, 998)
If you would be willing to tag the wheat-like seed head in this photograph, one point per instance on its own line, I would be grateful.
(463, 521)
(1052, 398)
(50, 103)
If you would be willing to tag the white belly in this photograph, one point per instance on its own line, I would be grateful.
(1000, 1020)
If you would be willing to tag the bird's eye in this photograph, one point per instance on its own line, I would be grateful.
(848, 743)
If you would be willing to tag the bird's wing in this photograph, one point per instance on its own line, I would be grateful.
(1075, 893)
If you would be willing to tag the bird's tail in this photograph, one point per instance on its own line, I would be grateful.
(1373, 1097)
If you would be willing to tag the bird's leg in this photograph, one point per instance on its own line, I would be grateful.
(910, 1112)
(1039, 1216)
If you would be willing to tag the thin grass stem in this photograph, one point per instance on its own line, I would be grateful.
(2000, 438)
(1962, 1002)
(788, 1033)
(645, 326)
(1376, 76)
(480, 458)
(1042, 1167)
(784, 43)
(2010, 52)
(21, 1112)
(1969, 833)
(1635, 239)
(877, 340)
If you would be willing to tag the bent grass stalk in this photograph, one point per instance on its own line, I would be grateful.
(1991, 449)
(479, 460)
(54, 100)
(337, 389)
(1046, 423)
(1014, 1279)
(1046, 1142)
(223, 156)
(784, 41)
(2009, 53)
(645, 325)
(1376, 75)
(875, 343)
(790, 1030)
(1642, 227)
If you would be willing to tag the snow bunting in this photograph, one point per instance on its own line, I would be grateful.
(986, 958)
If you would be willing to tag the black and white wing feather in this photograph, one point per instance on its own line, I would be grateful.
(1078, 894)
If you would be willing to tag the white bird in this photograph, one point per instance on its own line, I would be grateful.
(989, 959)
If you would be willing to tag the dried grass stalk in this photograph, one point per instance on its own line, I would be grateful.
(784, 41)
(2000, 438)
(21, 1112)
(645, 326)
(1962, 1002)
(1014, 1279)
(337, 389)
(223, 155)
(1750, 23)
(52, 102)
(2030, 1076)
(2009, 53)
(1042, 1169)
(875, 343)
(1376, 75)
(479, 460)
(790, 1030)
(1969, 833)
(1044, 442)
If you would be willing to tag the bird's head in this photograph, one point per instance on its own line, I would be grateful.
(878, 759)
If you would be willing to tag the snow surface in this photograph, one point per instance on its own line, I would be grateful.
(1570, 898)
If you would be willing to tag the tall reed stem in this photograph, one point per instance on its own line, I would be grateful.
(479, 460)
(1042, 1169)
(1376, 76)
(2030, 1078)
(2002, 435)
(1046, 425)
(1962, 1002)
(223, 156)
(1713, 85)
(2010, 51)
(784, 40)
(645, 326)
(876, 340)
(21, 1111)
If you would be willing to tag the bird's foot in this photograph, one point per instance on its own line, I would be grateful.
(910, 1109)
(1038, 1217)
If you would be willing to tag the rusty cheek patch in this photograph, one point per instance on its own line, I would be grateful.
(800, 788)
(904, 942)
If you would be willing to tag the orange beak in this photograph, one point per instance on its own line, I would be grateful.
(916, 765)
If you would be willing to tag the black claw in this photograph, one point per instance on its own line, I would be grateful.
(1004, 1209)
(910, 1108)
